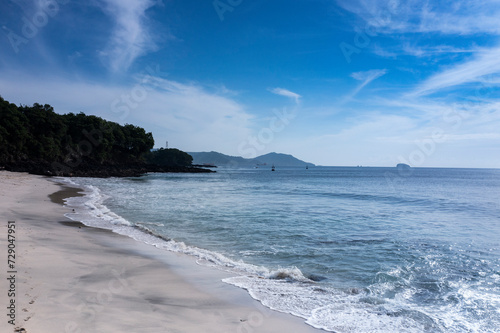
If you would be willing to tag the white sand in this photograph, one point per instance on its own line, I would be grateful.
(79, 279)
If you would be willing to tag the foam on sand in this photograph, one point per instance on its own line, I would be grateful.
(73, 280)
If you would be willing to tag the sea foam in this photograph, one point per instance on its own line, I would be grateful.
(426, 294)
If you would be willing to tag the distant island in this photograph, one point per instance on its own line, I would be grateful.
(219, 159)
(37, 140)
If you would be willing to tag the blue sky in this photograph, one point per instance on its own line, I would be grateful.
(356, 82)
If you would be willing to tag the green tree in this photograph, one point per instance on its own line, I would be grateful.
(169, 157)
(14, 132)
(38, 134)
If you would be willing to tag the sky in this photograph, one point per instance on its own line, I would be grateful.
(332, 82)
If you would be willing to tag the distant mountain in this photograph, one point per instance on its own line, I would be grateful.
(279, 160)
(218, 159)
(282, 160)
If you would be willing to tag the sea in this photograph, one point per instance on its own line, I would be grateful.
(348, 249)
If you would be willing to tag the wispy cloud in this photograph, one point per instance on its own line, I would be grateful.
(371, 139)
(366, 77)
(187, 115)
(432, 51)
(396, 127)
(422, 51)
(463, 18)
(466, 123)
(131, 37)
(385, 51)
(485, 63)
(286, 93)
(446, 17)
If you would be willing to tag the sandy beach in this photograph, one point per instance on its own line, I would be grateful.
(66, 277)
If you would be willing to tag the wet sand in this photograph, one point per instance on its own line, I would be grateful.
(72, 278)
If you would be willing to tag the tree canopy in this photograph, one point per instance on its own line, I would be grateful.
(38, 140)
(37, 133)
(169, 157)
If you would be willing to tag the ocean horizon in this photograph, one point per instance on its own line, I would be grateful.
(349, 249)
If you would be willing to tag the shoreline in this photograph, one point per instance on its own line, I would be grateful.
(74, 278)
(44, 168)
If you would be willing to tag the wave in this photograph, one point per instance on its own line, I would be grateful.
(151, 232)
(91, 211)
(335, 310)
(289, 290)
(288, 274)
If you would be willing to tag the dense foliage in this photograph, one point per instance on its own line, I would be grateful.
(35, 139)
(169, 157)
(37, 133)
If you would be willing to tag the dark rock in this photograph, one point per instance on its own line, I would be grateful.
(99, 171)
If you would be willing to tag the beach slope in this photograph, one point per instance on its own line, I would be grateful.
(67, 278)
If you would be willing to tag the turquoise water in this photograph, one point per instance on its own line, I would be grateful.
(347, 249)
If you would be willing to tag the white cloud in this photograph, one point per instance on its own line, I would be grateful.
(200, 120)
(186, 115)
(450, 137)
(366, 77)
(384, 51)
(374, 140)
(432, 51)
(130, 38)
(485, 63)
(286, 93)
(446, 17)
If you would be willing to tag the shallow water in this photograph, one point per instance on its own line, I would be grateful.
(348, 249)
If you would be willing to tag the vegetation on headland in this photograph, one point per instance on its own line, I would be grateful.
(169, 157)
(35, 139)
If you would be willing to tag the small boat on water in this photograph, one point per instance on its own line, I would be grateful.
(273, 168)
